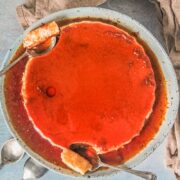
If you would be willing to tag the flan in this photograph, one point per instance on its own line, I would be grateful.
(97, 86)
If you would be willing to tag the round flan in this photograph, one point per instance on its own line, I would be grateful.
(97, 86)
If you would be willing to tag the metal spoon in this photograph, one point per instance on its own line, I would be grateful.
(90, 154)
(11, 152)
(33, 170)
(30, 53)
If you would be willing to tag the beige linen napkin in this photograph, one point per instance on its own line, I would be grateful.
(32, 10)
(169, 15)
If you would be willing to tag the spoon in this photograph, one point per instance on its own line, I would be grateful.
(90, 154)
(39, 50)
(11, 152)
(33, 170)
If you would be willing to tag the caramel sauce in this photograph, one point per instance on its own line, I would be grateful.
(25, 129)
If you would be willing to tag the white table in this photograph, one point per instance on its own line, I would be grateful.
(140, 10)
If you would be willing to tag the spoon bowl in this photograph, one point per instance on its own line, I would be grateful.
(44, 48)
(90, 154)
(33, 170)
(37, 51)
(11, 152)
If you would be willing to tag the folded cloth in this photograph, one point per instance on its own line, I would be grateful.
(169, 15)
(32, 10)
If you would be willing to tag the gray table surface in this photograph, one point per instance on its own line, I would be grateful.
(141, 10)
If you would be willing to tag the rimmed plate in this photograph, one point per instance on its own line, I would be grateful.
(145, 35)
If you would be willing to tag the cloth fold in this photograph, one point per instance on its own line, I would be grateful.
(32, 10)
(169, 15)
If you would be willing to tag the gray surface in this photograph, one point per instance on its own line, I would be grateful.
(140, 10)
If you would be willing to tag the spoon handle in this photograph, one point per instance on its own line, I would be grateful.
(1, 165)
(143, 174)
(9, 66)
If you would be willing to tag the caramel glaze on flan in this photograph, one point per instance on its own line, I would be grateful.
(97, 86)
